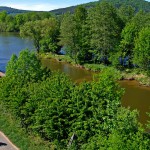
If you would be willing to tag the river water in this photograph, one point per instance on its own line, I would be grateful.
(136, 97)
(11, 43)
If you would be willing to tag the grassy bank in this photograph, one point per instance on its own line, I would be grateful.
(11, 128)
(63, 58)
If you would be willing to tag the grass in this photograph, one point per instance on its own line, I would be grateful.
(144, 80)
(63, 58)
(11, 128)
(94, 67)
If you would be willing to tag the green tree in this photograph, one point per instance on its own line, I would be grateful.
(40, 30)
(80, 16)
(95, 106)
(68, 35)
(19, 20)
(21, 71)
(131, 31)
(105, 29)
(26, 67)
(73, 37)
(126, 13)
(142, 49)
(126, 134)
(3, 16)
(11, 26)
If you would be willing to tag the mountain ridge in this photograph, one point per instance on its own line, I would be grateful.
(137, 4)
(10, 10)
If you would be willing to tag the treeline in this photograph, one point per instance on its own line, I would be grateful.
(103, 34)
(12, 23)
(136, 4)
(70, 116)
(107, 35)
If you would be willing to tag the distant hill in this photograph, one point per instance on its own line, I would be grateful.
(137, 4)
(10, 10)
(72, 8)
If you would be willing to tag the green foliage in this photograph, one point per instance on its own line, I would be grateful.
(148, 122)
(136, 4)
(142, 49)
(95, 67)
(95, 105)
(25, 68)
(102, 34)
(126, 13)
(126, 134)
(130, 33)
(51, 115)
(20, 73)
(11, 127)
(44, 34)
(54, 108)
(73, 37)
(105, 28)
(12, 23)
(67, 35)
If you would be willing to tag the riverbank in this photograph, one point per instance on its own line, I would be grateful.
(126, 74)
(2, 74)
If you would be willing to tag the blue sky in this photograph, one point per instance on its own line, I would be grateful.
(44, 5)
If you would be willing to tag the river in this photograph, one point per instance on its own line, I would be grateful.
(11, 43)
(136, 97)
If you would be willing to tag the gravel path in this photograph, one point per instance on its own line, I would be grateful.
(6, 144)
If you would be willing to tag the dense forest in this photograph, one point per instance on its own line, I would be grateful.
(88, 115)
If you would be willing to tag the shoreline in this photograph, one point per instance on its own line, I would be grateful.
(2, 74)
(142, 79)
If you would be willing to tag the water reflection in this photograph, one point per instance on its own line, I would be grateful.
(76, 74)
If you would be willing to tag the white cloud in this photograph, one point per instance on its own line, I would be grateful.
(36, 7)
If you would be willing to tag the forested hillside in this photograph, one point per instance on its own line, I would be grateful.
(10, 10)
(137, 4)
(72, 8)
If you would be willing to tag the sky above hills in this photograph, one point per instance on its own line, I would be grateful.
(44, 5)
